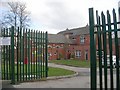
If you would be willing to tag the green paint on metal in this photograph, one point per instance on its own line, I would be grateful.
(46, 54)
(117, 51)
(104, 48)
(101, 38)
(7, 58)
(110, 48)
(29, 54)
(25, 59)
(23, 56)
(26, 50)
(41, 56)
(17, 46)
(92, 50)
(36, 54)
(4, 56)
(20, 51)
(12, 57)
(39, 53)
(99, 48)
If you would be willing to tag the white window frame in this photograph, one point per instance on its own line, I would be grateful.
(82, 39)
(97, 54)
(49, 46)
(49, 54)
(57, 46)
(78, 53)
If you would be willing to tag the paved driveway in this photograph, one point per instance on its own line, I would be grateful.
(74, 82)
(80, 81)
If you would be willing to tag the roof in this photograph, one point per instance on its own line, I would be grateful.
(76, 31)
(58, 38)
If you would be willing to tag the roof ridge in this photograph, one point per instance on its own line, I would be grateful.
(73, 29)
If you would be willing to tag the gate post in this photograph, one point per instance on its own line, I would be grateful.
(12, 57)
(46, 54)
(0, 60)
(92, 50)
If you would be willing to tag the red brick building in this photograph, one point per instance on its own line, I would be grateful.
(70, 43)
(73, 43)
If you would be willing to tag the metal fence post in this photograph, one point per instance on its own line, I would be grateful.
(46, 54)
(18, 63)
(12, 57)
(117, 50)
(0, 61)
(92, 50)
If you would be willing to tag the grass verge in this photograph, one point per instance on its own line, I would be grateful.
(59, 72)
(75, 63)
(52, 71)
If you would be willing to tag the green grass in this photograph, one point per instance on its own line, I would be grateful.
(59, 72)
(52, 71)
(75, 63)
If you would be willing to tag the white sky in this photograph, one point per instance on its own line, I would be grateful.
(57, 15)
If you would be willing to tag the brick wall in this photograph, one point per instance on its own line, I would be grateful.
(69, 49)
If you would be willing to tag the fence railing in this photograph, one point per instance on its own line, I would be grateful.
(25, 59)
(104, 40)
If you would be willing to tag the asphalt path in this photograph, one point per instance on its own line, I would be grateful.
(82, 80)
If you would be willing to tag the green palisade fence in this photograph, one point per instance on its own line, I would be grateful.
(26, 58)
(105, 41)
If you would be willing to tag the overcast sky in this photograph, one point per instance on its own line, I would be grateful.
(57, 15)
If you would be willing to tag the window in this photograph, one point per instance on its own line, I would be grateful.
(49, 46)
(57, 46)
(61, 46)
(97, 53)
(77, 53)
(49, 54)
(86, 54)
(68, 50)
(55, 53)
(82, 39)
(73, 38)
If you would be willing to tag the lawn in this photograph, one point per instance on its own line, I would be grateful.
(75, 63)
(59, 72)
(51, 71)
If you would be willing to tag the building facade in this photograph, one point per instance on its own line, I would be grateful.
(70, 43)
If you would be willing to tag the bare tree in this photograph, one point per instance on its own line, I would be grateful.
(23, 15)
(17, 15)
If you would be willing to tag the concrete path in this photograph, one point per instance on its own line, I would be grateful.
(76, 69)
(80, 81)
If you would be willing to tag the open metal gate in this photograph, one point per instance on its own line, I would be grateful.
(25, 58)
(104, 45)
